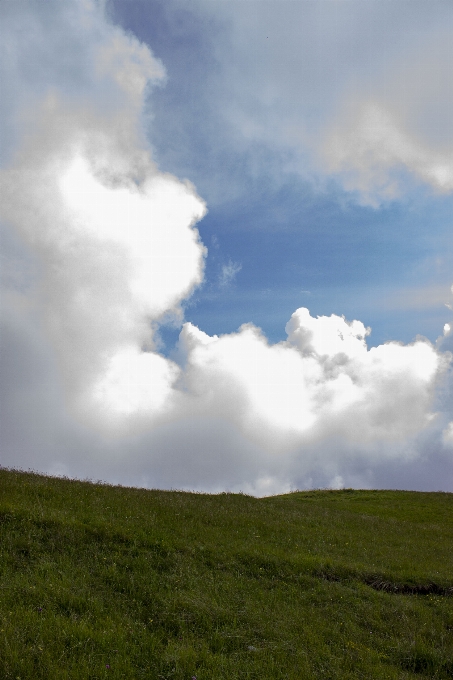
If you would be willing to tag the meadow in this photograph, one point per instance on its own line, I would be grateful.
(99, 582)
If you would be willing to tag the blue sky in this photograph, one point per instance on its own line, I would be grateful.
(206, 206)
(288, 232)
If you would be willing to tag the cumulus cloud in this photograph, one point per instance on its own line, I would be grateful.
(116, 252)
(115, 237)
(321, 383)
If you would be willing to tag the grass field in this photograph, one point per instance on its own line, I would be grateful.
(110, 582)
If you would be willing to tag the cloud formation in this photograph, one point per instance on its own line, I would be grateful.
(115, 237)
(229, 273)
(360, 91)
(116, 252)
(322, 382)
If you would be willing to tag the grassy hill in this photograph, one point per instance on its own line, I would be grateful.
(110, 582)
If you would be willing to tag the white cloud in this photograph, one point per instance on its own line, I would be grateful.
(115, 237)
(129, 63)
(84, 388)
(448, 435)
(400, 120)
(321, 383)
(423, 297)
(368, 151)
(358, 90)
(229, 273)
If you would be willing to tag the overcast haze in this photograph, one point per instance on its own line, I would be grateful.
(226, 242)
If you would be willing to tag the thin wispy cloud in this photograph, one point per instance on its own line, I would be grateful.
(228, 273)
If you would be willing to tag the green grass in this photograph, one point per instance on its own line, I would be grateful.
(110, 582)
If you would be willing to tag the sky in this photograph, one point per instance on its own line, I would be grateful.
(226, 243)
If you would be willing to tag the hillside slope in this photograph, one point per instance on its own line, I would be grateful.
(100, 581)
